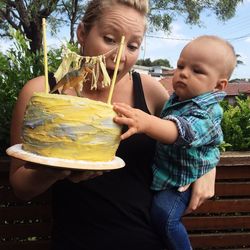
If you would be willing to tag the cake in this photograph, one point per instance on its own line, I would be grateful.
(70, 127)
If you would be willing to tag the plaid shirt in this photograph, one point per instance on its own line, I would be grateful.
(195, 152)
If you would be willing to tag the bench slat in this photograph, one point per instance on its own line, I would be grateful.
(42, 212)
(232, 189)
(224, 206)
(41, 229)
(233, 172)
(30, 245)
(216, 222)
(229, 240)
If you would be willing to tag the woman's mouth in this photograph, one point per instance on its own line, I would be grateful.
(111, 73)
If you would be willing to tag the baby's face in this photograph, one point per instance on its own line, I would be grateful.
(198, 70)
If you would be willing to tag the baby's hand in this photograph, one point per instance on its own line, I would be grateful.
(129, 116)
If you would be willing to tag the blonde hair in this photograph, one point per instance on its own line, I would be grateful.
(95, 9)
(230, 59)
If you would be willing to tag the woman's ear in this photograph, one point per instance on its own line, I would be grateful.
(221, 84)
(81, 33)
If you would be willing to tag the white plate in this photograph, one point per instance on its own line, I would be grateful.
(17, 152)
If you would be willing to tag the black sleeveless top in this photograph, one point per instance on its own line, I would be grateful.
(110, 212)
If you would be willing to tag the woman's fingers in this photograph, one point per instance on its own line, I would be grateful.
(78, 176)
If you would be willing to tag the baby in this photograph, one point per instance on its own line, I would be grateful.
(188, 133)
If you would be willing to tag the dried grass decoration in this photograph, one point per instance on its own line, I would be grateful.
(77, 69)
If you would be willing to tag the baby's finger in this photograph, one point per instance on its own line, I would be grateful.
(128, 133)
(122, 110)
(122, 120)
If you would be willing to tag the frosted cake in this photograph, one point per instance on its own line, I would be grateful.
(70, 127)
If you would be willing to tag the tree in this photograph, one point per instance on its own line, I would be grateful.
(70, 12)
(26, 15)
(163, 12)
(238, 61)
(144, 62)
(158, 62)
(161, 62)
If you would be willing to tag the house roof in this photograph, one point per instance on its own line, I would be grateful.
(232, 89)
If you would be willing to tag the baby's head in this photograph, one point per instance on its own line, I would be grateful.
(205, 65)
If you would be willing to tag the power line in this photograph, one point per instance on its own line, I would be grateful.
(170, 38)
(189, 39)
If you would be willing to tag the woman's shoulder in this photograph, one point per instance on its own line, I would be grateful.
(34, 85)
(155, 94)
(152, 84)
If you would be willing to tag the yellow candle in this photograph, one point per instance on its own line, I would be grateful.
(45, 56)
(116, 70)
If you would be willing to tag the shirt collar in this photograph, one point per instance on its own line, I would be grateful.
(201, 100)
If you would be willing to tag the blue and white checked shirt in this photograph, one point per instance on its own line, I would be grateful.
(195, 151)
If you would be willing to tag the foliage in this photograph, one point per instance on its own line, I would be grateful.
(26, 15)
(236, 124)
(163, 12)
(158, 62)
(18, 65)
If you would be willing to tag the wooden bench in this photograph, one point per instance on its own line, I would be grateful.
(23, 225)
(220, 223)
(224, 221)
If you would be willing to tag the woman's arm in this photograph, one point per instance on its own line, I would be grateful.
(202, 189)
(29, 180)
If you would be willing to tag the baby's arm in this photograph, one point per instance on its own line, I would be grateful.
(138, 121)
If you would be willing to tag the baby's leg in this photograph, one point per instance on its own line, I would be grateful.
(167, 209)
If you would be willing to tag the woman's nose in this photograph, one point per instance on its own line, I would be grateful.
(123, 55)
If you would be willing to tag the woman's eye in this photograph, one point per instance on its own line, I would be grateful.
(109, 39)
(133, 47)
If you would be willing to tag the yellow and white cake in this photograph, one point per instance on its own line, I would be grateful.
(70, 127)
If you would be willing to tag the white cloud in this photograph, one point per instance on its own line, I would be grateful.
(248, 39)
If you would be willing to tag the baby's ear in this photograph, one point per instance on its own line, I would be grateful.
(221, 84)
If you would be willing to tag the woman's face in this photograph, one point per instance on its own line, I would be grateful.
(106, 34)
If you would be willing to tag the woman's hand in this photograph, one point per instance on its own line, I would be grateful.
(202, 189)
(77, 176)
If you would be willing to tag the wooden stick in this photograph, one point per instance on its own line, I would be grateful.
(45, 56)
(116, 70)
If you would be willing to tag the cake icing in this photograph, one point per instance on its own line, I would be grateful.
(70, 127)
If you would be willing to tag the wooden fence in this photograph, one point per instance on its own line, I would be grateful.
(224, 221)
(220, 223)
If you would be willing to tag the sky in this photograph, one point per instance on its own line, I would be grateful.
(235, 30)
(160, 45)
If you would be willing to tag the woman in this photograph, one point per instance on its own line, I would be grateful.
(110, 211)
